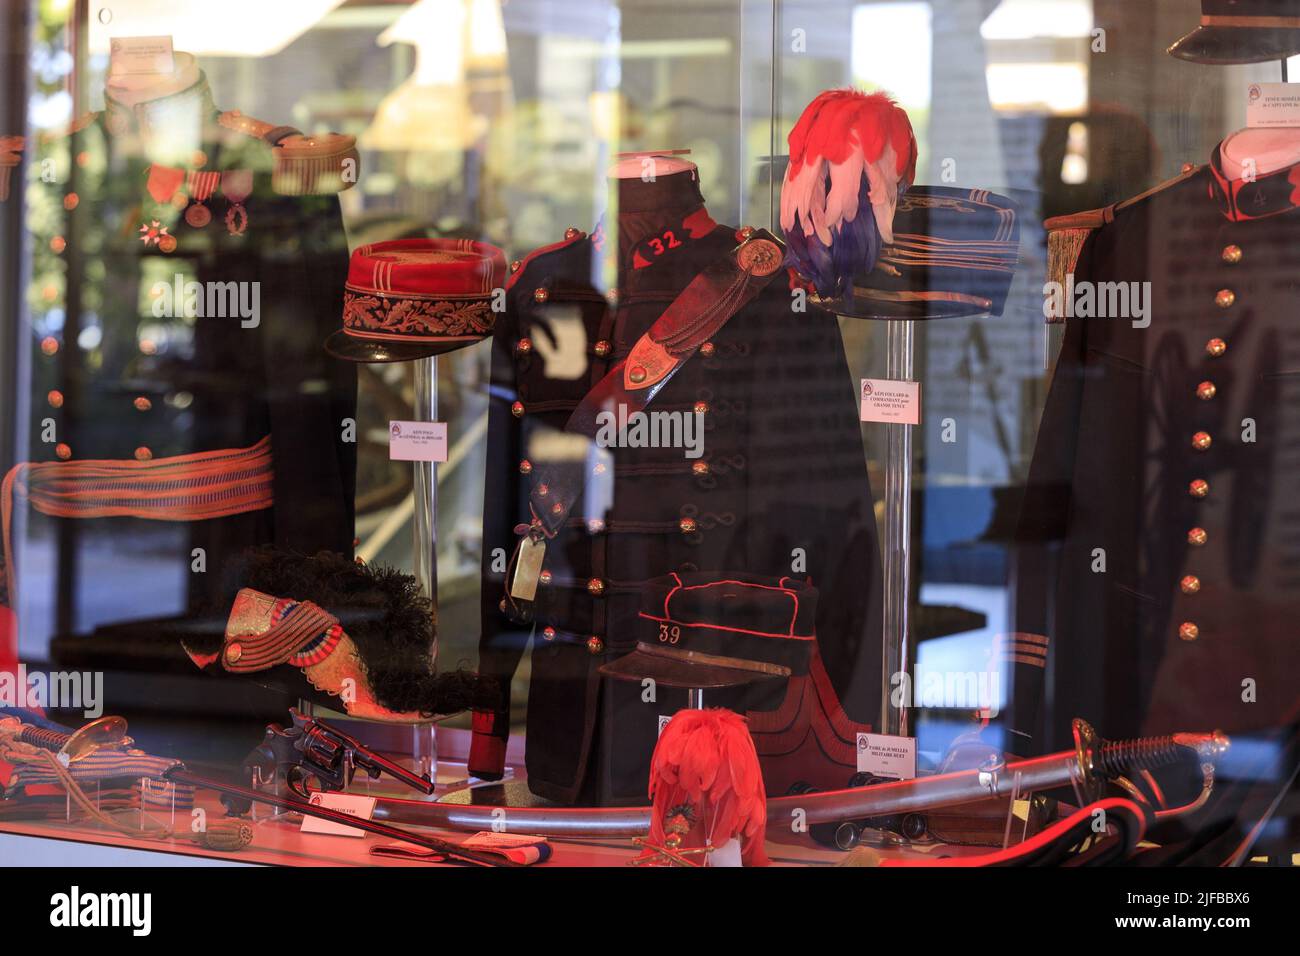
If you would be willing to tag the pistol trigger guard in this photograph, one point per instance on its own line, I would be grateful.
(295, 778)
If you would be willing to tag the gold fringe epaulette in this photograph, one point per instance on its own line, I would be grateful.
(76, 126)
(304, 165)
(248, 125)
(1067, 235)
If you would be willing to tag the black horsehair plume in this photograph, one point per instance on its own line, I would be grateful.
(389, 620)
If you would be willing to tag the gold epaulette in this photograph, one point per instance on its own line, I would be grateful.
(304, 165)
(76, 126)
(248, 125)
(1067, 235)
(11, 154)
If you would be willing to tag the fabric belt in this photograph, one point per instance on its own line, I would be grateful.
(195, 487)
(101, 765)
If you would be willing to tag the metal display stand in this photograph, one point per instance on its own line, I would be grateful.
(897, 569)
(424, 737)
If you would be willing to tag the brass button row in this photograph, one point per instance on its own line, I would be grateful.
(594, 644)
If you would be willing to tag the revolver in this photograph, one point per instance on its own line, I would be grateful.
(311, 750)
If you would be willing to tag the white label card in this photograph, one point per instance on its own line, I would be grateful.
(1272, 105)
(887, 756)
(891, 402)
(354, 805)
(417, 441)
(140, 55)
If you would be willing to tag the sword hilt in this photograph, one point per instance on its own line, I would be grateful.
(1106, 759)
(42, 738)
(104, 732)
(1148, 753)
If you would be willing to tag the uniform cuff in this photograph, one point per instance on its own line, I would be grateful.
(487, 749)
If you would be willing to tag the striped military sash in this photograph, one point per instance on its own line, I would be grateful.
(212, 484)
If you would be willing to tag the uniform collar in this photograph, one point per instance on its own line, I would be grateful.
(1241, 200)
(189, 108)
(657, 211)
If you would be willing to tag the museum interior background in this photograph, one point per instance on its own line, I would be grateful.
(497, 119)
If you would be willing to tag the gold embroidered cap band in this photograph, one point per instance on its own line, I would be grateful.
(412, 298)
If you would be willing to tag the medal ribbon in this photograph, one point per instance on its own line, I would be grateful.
(202, 185)
(163, 182)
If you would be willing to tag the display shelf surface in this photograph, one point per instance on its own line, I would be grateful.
(279, 843)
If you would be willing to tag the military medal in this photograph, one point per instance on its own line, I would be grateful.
(152, 233)
(164, 185)
(237, 185)
(201, 186)
(198, 215)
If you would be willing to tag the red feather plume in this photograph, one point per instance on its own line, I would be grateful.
(706, 759)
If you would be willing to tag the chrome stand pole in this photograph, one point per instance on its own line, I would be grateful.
(900, 346)
(424, 738)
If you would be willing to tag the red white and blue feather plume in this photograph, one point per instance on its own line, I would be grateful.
(851, 156)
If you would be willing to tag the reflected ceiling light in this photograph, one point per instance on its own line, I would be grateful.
(892, 49)
(1029, 19)
(459, 82)
(1056, 87)
(461, 34)
(222, 28)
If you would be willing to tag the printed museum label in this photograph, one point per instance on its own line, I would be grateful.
(417, 441)
(137, 55)
(1271, 105)
(354, 805)
(891, 402)
(887, 756)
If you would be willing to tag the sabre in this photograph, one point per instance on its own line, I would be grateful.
(1087, 766)
(293, 804)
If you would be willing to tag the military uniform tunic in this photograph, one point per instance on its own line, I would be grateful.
(780, 487)
(1168, 455)
(112, 224)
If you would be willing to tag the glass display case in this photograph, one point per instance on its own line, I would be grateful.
(649, 433)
